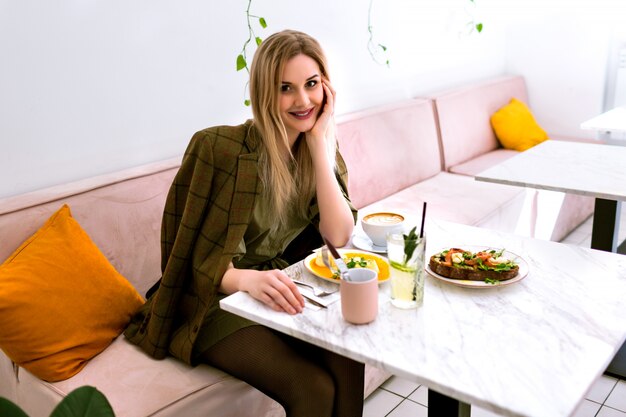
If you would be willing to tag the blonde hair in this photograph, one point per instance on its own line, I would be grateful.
(288, 177)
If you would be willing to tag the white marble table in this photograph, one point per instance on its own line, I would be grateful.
(528, 349)
(609, 125)
(580, 168)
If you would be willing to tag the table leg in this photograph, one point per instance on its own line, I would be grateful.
(605, 230)
(617, 367)
(604, 236)
(442, 405)
(622, 248)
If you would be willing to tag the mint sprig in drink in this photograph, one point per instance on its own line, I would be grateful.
(406, 257)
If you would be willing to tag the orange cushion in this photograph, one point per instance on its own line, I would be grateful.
(61, 301)
(516, 128)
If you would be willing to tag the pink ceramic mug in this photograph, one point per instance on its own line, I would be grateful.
(359, 296)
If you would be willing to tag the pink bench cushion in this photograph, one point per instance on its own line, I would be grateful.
(482, 162)
(464, 115)
(461, 199)
(388, 149)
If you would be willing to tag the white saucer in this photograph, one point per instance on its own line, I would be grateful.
(365, 243)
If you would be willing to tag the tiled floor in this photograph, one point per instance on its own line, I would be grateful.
(401, 398)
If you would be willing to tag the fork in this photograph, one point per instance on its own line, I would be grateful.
(318, 292)
(339, 267)
(329, 252)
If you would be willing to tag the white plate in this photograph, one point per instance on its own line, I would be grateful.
(365, 243)
(523, 270)
(383, 265)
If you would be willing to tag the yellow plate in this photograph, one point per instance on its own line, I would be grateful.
(326, 274)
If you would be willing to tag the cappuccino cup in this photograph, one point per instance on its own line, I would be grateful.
(379, 224)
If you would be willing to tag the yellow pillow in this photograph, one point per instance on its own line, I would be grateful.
(61, 301)
(516, 128)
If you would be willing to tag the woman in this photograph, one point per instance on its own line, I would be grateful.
(244, 195)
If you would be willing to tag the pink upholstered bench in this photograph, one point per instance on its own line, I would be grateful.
(395, 162)
(470, 146)
(121, 212)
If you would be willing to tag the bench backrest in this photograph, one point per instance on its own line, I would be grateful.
(463, 115)
(389, 148)
(121, 213)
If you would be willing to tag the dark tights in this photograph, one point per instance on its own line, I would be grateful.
(304, 379)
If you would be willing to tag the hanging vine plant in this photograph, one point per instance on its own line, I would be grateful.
(242, 58)
(377, 50)
(473, 25)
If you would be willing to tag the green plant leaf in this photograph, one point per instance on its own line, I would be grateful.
(241, 62)
(262, 22)
(8, 409)
(383, 47)
(479, 27)
(410, 244)
(85, 401)
(246, 102)
(258, 41)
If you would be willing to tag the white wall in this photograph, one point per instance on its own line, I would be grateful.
(561, 47)
(89, 87)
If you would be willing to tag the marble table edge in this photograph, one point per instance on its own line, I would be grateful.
(594, 194)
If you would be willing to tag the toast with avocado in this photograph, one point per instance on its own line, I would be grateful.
(488, 265)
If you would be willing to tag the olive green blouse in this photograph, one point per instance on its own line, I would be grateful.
(260, 249)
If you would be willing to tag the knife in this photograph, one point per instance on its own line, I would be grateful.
(343, 269)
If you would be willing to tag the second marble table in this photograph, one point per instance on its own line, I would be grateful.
(580, 168)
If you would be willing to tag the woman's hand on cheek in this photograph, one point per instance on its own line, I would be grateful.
(325, 113)
(275, 289)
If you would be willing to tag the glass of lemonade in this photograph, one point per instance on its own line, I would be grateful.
(406, 257)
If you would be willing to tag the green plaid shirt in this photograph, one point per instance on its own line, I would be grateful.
(206, 214)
